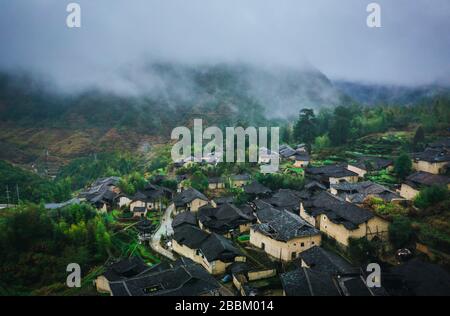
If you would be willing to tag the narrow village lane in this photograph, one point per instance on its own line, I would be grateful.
(164, 229)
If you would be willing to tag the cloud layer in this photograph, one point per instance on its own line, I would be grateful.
(118, 37)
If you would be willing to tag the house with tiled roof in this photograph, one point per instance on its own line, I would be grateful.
(282, 234)
(285, 199)
(256, 189)
(363, 165)
(301, 159)
(185, 218)
(120, 270)
(152, 197)
(332, 174)
(417, 278)
(189, 200)
(417, 181)
(341, 220)
(435, 160)
(181, 278)
(218, 201)
(286, 151)
(216, 183)
(319, 272)
(102, 193)
(226, 219)
(239, 180)
(300, 155)
(214, 252)
(358, 192)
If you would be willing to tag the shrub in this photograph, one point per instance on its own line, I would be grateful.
(400, 232)
(403, 166)
(431, 196)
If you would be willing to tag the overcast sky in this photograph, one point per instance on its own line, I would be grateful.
(412, 47)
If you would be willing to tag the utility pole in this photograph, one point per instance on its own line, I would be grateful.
(18, 194)
(7, 196)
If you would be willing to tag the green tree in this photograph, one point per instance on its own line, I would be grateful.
(305, 129)
(362, 250)
(403, 166)
(286, 134)
(431, 196)
(322, 142)
(340, 126)
(199, 181)
(419, 138)
(400, 232)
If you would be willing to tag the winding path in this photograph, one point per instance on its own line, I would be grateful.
(164, 229)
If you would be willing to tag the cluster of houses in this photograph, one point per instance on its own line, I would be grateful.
(431, 166)
(283, 228)
(105, 195)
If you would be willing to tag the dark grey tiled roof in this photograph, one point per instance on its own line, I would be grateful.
(286, 151)
(213, 246)
(240, 177)
(256, 188)
(337, 171)
(338, 211)
(224, 218)
(418, 179)
(189, 218)
(372, 163)
(191, 236)
(442, 144)
(126, 268)
(217, 247)
(100, 191)
(152, 193)
(260, 204)
(433, 155)
(183, 278)
(188, 196)
(422, 278)
(326, 261)
(283, 225)
(357, 192)
(302, 156)
(216, 180)
(286, 199)
(315, 185)
(309, 282)
(354, 287)
(224, 199)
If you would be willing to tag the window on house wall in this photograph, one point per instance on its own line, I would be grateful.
(302, 244)
(263, 246)
(293, 255)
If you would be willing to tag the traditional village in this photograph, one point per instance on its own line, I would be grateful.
(282, 242)
(225, 154)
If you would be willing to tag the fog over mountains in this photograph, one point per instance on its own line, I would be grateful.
(411, 48)
(203, 56)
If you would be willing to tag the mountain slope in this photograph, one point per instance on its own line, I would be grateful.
(373, 94)
(37, 119)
